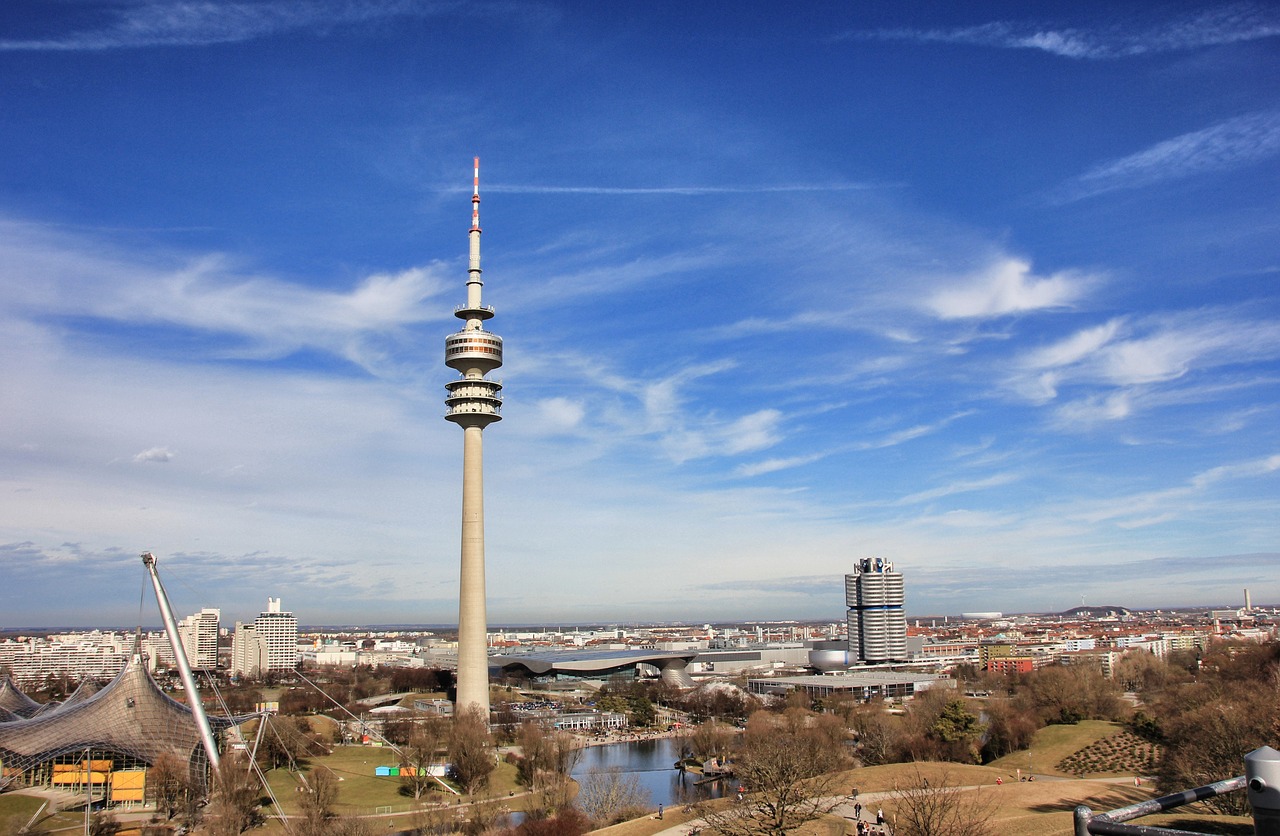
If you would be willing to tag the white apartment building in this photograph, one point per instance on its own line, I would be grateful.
(92, 654)
(270, 643)
(199, 634)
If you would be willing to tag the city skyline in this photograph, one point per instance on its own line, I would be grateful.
(988, 292)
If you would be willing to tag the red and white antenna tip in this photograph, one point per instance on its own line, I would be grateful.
(477, 181)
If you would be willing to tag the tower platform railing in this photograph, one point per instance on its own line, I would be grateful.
(1261, 780)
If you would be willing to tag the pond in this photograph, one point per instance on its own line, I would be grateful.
(652, 762)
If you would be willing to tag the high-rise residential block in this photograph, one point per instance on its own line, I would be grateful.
(270, 643)
(199, 634)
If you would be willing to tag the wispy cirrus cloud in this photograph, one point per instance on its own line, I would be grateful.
(1231, 144)
(693, 191)
(54, 275)
(204, 22)
(902, 436)
(892, 439)
(1226, 24)
(1114, 368)
(777, 464)
(954, 488)
(1168, 503)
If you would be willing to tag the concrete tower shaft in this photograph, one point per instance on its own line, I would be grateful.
(473, 403)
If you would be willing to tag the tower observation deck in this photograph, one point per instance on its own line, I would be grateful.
(473, 403)
(473, 352)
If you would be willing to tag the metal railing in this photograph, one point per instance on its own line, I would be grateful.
(1261, 780)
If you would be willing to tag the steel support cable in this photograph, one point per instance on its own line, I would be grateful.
(391, 745)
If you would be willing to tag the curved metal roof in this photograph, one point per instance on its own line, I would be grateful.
(130, 716)
(671, 663)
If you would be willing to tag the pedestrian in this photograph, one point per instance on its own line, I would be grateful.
(659, 812)
(857, 810)
(879, 816)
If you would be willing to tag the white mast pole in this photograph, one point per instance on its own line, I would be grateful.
(184, 667)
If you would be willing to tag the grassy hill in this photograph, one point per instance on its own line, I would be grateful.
(1053, 744)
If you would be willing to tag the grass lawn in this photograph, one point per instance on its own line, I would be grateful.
(16, 809)
(1053, 743)
(12, 804)
(885, 778)
(360, 792)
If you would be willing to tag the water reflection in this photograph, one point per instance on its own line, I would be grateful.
(652, 762)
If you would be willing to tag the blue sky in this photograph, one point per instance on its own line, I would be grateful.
(989, 290)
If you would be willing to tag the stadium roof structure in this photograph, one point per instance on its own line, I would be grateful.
(129, 717)
(15, 702)
(599, 664)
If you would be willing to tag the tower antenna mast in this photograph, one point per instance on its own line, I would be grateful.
(473, 403)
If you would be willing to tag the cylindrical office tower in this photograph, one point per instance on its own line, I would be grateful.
(875, 595)
(474, 403)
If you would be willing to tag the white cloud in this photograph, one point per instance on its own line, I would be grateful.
(1007, 287)
(752, 432)
(1243, 470)
(774, 465)
(154, 454)
(1075, 348)
(558, 415)
(701, 437)
(1231, 144)
(1093, 410)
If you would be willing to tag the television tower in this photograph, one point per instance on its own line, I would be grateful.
(474, 403)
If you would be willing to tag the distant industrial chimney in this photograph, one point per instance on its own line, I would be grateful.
(1248, 603)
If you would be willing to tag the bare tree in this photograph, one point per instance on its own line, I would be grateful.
(419, 755)
(234, 806)
(471, 750)
(788, 767)
(432, 820)
(923, 807)
(547, 757)
(611, 796)
(712, 739)
(878, 734)
(168, 780)
(317, 803)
